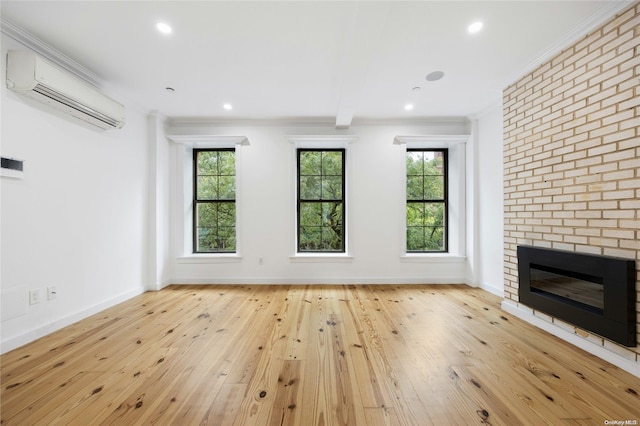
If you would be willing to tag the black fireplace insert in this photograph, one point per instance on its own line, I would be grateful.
(596, 293)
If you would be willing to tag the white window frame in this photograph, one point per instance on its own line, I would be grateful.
(456, 220)
(322, 142)
(184, 170)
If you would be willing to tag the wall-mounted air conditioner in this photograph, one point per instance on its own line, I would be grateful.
(33, 76)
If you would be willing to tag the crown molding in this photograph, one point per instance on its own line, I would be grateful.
(600, 17)
(49, 52)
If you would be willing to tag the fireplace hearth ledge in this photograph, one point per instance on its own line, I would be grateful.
(525, 314)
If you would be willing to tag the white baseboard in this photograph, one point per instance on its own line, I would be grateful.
(28, 337)
(159, 285)
(492, 289)
(601, 352)
(309, 281)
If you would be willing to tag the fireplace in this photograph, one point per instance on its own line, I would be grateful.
(596, 293)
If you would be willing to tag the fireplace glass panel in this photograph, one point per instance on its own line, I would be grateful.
(576, 287)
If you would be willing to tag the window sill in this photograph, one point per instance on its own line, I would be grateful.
(432, 258)
(210, 258)
(320, 258)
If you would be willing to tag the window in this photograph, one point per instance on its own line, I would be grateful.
(320, 200)
(427, 205)
(214, 201)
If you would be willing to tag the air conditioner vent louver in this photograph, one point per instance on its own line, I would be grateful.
(56, 96)
(33, 76)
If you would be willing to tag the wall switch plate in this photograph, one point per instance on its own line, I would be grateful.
(34, 296)
(51, 292)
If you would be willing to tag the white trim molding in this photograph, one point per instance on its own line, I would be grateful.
(49, 52)
(184, 196)
(322, 142)
(209, 141)
(602, 15)
(430, 141)
(456, 144)
(321, 281)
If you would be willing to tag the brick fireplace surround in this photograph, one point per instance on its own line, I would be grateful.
(572, 165)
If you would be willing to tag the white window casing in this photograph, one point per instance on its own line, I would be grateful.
(456, 145)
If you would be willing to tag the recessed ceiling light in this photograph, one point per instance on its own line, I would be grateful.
(169, 89)
(435, 76)
(228, 107)
(475, 27)
(416, 89)
(408, 107)
(164, 28)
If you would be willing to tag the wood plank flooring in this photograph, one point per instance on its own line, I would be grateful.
(310, 355)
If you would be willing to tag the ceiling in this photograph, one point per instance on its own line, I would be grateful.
(334, 60)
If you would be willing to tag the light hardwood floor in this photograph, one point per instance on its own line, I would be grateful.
(310, 355)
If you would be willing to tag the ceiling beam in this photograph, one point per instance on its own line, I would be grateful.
(366, 27)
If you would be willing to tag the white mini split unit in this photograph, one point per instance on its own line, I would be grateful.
(33, 76)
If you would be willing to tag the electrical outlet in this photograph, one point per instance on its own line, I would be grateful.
(51, 292)
(34, 296)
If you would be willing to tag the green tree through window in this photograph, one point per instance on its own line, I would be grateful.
(321, 205)
(427, 200)
(214, 201)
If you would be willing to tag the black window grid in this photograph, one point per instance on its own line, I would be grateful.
(321, 200)
(439, 200)
(210, 201)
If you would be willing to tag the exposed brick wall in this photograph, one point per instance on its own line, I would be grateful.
(572, 155)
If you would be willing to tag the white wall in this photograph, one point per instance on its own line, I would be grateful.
(490, 212)
(267, 221)
(77, 220)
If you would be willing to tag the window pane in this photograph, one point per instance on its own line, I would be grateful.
(331, 240)
(227, 214)
(310, 163)
(415, 214)
(310, 214)
(310, 187)
(207, 187)
(415, 238)
(433, 163)
(227, 163)
(415, 188)
(434, 239)
(206, 239)
(434, 187)
(226, 187)
(332, 215)
(332, 163)
(414, 163)
(226, 239)
(310, 238)
(207, 163)
(434, 214)
(206, 215)
(332, 188)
